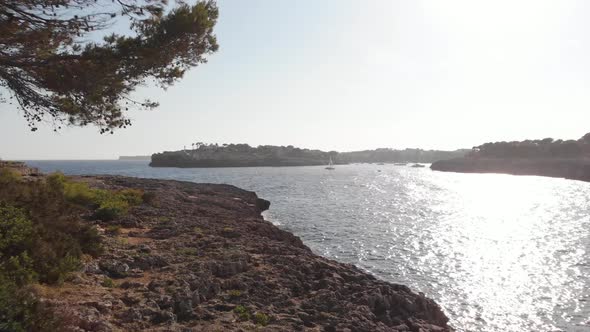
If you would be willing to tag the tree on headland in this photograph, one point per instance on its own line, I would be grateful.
(53, 71)
(544, 148)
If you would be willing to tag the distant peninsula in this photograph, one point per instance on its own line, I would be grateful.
(135, 158)
(568, 159)
(244, 155)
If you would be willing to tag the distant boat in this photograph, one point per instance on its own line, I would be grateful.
(330, 165)
(418, 166)
(400, 164)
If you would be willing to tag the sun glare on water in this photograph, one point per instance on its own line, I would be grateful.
(503, 239)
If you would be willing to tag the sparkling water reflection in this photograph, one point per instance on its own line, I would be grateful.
(498, 252)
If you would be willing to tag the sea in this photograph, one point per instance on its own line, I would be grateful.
(497, 252)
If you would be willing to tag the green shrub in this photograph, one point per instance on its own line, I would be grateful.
(21, 311)
(242, 312)
(53, 261)
(108, 282)
(234, 293)
(111, 208)
(149, 197)
(113, 204)
(8, 176)
(80, 193)
(16, 307)
(258, 318)
(131, 196)
(90, 241)
(188, 251)
(16, 238)
(42, 239)
(108, 205)
(19, 269)
(261, 319)
(64, 267)
(57, 179)
(230, 233)
(41, 234)
(16, 231)
(122, 241)
(163, 219)
(113, 229)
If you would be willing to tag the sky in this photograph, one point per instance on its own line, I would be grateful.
(358, 74)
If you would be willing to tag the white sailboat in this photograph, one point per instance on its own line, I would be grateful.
(331, 165)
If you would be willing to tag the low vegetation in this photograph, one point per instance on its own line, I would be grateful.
(188, 251)
(244, 314)
(113, 229)
(108, 282)
(261, 319)
(43, 237)
(107, 204)
(234, 293)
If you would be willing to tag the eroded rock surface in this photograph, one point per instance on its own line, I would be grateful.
(200, 257)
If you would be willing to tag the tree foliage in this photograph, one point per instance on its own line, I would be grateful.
(226, 155)
(54, 71)
(542, 148)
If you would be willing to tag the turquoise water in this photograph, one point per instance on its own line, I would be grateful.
(497, 252)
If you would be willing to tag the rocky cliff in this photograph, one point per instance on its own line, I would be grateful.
(200, 257)
(572, 168)
(20, 168)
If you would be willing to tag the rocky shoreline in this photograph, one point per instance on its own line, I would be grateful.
(572, 168)
(200, 257)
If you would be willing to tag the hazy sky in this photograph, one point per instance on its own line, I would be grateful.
(348, 75)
